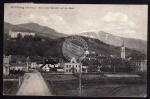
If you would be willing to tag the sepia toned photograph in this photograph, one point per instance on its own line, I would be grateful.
(79, 50)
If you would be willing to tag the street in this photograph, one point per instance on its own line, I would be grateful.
(33, 85)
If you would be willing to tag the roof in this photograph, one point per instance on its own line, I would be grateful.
(18, 65)
(43, 66)
(49, 61)
(91, 62)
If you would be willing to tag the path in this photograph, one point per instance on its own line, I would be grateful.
(34, 85)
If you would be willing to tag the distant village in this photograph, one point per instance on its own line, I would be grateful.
(93, 63)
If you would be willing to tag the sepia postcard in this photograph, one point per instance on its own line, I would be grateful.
(85, 50)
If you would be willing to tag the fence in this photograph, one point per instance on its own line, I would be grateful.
(12, 84)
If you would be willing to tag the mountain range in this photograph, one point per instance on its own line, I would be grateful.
(33, 27)
(135, 44)
(108, 38)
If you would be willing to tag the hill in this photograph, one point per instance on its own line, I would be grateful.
(101, 42)
(35, 46)
(136, 44)
(33, 27)
(45, 31)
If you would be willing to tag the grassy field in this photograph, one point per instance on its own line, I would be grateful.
(10, 87)
(94, 86)
(11, 84)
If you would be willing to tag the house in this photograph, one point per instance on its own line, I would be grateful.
(116, 65)
(6, 64)
(45, 67)
(49, 64)
(139, 65)
(16, 33)
(34, 65)
(17, 67)
(71, 67)
(91, 65)
(35, 61)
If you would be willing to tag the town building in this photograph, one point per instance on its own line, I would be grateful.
(18, 67)
(49, 65)
(15, 34)
(91, 65)
(139, 65)
(34, 65)
(71, 67)
(123, 51)
(6, 64)
(35, 61)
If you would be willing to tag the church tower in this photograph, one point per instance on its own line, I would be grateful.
(123, 50)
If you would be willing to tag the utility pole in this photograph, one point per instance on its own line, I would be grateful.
(80, 88)
(114, 69)
(28, 60)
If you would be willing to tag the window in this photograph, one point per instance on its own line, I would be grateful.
(70, 70)
(67, 70)
(66, 66)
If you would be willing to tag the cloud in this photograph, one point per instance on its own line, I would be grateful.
(131, 24)
(121, 21)
(45, 19)
(119, 24)
(115, 17)
(56, 19)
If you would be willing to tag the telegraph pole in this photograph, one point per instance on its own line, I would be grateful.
(80, 88)
(28, 60)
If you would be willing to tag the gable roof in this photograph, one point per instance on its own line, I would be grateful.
(49, 61)
(91, 62)
(44, 65)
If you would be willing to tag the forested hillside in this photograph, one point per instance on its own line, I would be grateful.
(47, 47)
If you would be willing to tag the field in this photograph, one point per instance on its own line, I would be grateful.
(95, 85)
(11, 84)
(10, 87)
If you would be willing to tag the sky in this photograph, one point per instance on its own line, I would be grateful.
(128, 21)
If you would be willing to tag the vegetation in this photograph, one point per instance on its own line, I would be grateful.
(94, 85)
(116, 65)
(47, 47)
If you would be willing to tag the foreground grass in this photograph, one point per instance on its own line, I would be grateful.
(10, 87)
(96, 85)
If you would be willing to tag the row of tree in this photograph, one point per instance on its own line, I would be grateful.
(47, 47)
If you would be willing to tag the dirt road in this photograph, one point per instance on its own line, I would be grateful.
(34, 85)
